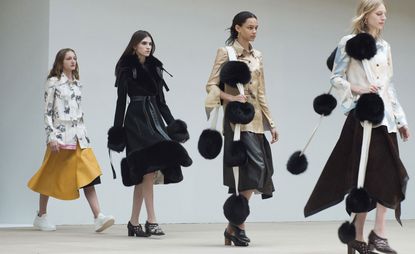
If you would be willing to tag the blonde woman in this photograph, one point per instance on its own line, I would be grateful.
(69, 163)
(386, 176)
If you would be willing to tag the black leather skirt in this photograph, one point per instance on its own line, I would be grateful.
(257, 172)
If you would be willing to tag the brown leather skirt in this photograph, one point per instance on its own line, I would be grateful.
(386, 177)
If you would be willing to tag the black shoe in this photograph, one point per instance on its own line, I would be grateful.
(229, 239)
(240, 233)
(136, 230)
(358, 246)
(380, 244)
(153, 229)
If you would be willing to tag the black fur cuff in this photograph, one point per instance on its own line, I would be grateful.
(177, 131)
(116, 138)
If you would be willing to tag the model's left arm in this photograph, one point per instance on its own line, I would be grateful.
(264, 104)
(161, 103)
(398, 112)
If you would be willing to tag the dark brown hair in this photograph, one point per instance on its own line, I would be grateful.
(57, 67)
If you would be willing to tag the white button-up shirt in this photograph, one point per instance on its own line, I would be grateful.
(63, 115)
(348, 71)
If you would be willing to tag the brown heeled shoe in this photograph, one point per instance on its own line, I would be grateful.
(380, 244)
(358, 246)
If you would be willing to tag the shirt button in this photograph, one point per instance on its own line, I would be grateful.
(377, 65)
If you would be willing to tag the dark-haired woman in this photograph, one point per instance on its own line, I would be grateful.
(69, 163)
(386, 176)
(256, 175)
(152, 156)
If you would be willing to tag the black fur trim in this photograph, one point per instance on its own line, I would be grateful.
(324, 104)
(330, 60)
(297, 164)
(236, 209)
(370, 108)
(358, 201)
(238, 112)
(177, 131)
(236, 155)
(234, 72)
(161, 155)
(210, 143)
(116, 138)
(347, 232)
(362, 46)
(128, 176)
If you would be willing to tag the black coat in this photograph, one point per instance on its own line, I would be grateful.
(148, 146)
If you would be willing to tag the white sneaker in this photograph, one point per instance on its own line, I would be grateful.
(41, 223)
(103, 222)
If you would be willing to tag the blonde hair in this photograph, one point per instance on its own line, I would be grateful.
(364, 8)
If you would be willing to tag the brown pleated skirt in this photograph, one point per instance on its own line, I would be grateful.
(386, 177)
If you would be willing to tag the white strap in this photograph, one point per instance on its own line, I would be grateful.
(367, 133)
(231, 53)
(214, 118)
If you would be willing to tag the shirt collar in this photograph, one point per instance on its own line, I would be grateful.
(64, 79)
(240, 51)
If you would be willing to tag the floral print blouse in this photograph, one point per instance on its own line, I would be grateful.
(63, 115)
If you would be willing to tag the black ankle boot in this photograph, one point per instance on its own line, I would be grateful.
(229, 239)
(240, 233)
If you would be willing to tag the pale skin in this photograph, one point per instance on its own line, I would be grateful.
(143, 191)
(69, 65)
(375, 22)
(246, 33)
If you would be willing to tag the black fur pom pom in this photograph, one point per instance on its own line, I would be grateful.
(177, 131)
(297, 164)
(347, 232)
(116, 138)
(235, 155)
(238, 112)
(236, 209)
(234, 72)
(370, 108)
(330, 59)
(358, 201)
(210, 143)
(324, 104)
(362, 46)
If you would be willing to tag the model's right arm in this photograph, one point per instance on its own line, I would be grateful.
(122, 84)
(49, 110)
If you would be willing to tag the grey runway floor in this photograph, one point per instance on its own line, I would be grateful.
(284, 237)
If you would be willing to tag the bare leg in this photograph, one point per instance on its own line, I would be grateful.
(359, 223)
(43, 204)
(92, 198)
(137, 203)
(380, 220)
(148, 191)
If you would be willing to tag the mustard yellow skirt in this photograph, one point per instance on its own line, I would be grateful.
(63, 173)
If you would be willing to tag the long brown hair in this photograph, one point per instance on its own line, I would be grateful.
(57, 68)
(136, 38)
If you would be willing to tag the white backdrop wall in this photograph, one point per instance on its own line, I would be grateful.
(295, 37)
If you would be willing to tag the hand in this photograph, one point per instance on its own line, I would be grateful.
(54, 146)
(404, 133)
(240, 98)
(274, 135)
(373, 89)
